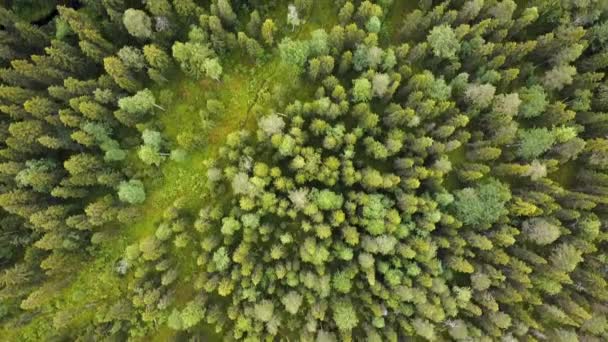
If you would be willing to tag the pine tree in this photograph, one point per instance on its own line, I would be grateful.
(137, 23)
(268, 30)
(121, 74)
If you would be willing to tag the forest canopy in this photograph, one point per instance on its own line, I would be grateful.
(304, 170)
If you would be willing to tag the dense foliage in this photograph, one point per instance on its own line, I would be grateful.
(441, 173)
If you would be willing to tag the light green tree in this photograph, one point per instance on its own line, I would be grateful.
(482, 205)
(558, 77)
(373, 24)
(533, 101)
(534, 142)
(443, 41)
(141, 103)
(362, 90)
(192, 58)
(293, 52)
(264, 310)
(137, 23)
(292, 302)
(268, 30)
(344, 315)
(293, 17)
(540, 231)
(132, 191)
(480, 95)
(213, 68)
(192, 314)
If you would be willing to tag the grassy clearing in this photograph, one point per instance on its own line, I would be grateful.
(245, 92)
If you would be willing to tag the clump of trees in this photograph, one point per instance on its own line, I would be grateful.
(418, 193)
